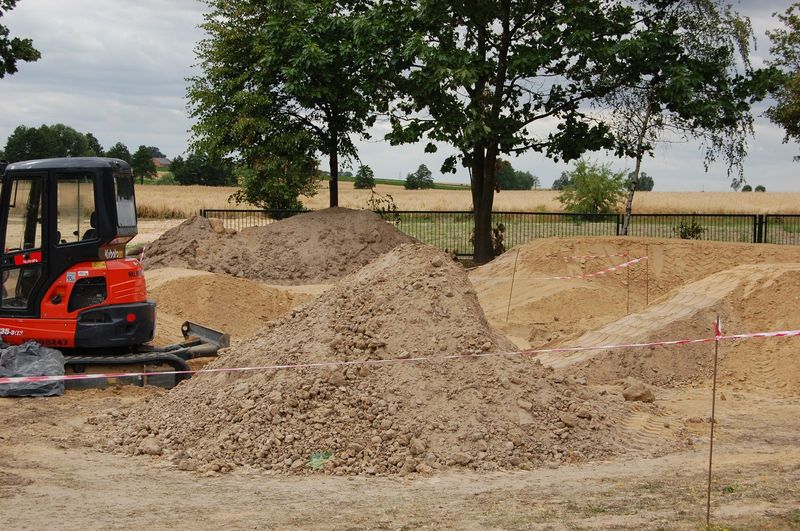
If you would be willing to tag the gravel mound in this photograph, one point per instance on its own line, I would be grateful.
(317, 247)
(480, 412)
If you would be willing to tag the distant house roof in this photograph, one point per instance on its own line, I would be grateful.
(161, 162)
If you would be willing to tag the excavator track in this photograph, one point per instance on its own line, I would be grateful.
(137, 362)
(199, 341)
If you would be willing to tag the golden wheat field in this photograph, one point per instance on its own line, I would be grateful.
(183, 201)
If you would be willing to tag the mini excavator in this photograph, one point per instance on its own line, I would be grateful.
(66, 280)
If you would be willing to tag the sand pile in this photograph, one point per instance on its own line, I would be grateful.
(749, 298)
(237, 306)
(317, 247)
(483, 413)
(547, 312)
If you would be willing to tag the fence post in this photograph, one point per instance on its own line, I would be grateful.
(762, 228)
(619, 223)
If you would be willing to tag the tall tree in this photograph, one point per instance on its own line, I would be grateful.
(119, 151)
(275, 69)
(13, 49)
(487, 71)
(786, 56)
(705, 96)
(142, 164)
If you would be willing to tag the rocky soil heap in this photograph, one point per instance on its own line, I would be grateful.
(317, 247)
(480, 412)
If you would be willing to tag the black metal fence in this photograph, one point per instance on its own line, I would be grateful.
(452, 230)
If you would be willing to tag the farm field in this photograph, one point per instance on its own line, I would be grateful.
(488, 440)
(184, 201)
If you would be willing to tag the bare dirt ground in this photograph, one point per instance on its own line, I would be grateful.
(49, 480)
(54, 472)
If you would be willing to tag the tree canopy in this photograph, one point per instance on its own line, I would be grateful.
(593, 189)
(94, 145)
(786, 56)
(155, 152)
(646, 183)
(119, 151)
(142, 164)
(204, 169)
(280, 74)
(364, 179)
(510, 179)
(277, 184)
(419, 180)
(46, 141)
(485, 72)
(13, 49)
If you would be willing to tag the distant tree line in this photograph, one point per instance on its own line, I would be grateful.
(59, 140)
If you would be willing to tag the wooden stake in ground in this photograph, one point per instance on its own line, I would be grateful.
(717, 334)
(647, 276)
(511, 291)
(628, 281)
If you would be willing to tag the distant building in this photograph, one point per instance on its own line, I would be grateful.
(162, 163)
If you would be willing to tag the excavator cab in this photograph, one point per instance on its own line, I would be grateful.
(66, 282)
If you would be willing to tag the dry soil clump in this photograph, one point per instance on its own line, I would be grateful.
(480, 412)
(316, 247)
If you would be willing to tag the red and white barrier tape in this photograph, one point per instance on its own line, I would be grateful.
(596, 273)
(593, 256)
(331, 364)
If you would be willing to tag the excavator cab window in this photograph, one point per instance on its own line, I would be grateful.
(77, 219)
(126, 205)
(22, 260)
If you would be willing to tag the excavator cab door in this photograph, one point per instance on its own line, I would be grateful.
(23, 238)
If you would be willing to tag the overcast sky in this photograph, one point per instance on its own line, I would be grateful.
(117, 69)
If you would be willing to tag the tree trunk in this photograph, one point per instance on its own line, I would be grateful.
(483, 176)
(634, 177)
(334, 170)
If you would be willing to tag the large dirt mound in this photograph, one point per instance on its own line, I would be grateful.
(317, 247)
(546, 311)
(481, 412)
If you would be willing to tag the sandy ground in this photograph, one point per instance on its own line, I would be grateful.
(51, 478)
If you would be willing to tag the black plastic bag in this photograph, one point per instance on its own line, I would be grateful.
(31, 359)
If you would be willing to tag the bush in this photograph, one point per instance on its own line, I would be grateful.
(689, 230)
(420, 179)
(365, 178)
(747, 188)
(761, 188)
(593, 189)
(278, 182)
